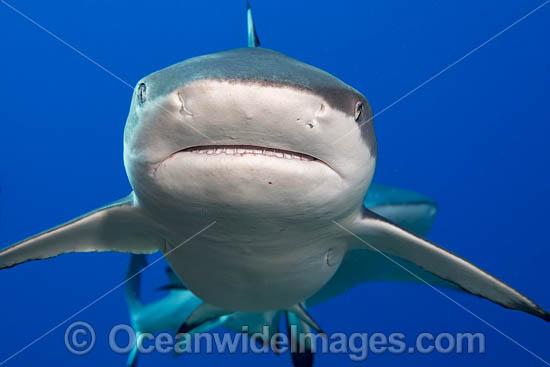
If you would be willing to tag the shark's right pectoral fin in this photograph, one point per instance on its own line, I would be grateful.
(116, 227)
(375, 233)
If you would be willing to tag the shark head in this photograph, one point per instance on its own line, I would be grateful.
(249, 129)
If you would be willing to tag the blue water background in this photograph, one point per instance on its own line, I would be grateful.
(475, 139)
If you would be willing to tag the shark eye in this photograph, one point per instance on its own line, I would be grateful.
(358, 110)
(141, 93)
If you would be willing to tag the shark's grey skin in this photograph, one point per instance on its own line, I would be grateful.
(249, 170)
(413, 211)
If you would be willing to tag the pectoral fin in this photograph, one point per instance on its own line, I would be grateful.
(118, 227)
(375, 233)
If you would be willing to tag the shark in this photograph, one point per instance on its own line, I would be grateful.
(248, 171)
(411, 210)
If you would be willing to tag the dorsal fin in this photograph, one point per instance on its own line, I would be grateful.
(253, 39)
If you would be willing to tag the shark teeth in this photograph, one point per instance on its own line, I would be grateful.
(248, 149)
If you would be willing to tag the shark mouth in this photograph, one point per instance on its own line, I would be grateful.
(241, 150)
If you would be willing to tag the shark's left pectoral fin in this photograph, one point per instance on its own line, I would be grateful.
(118, 227)
(375, 233)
